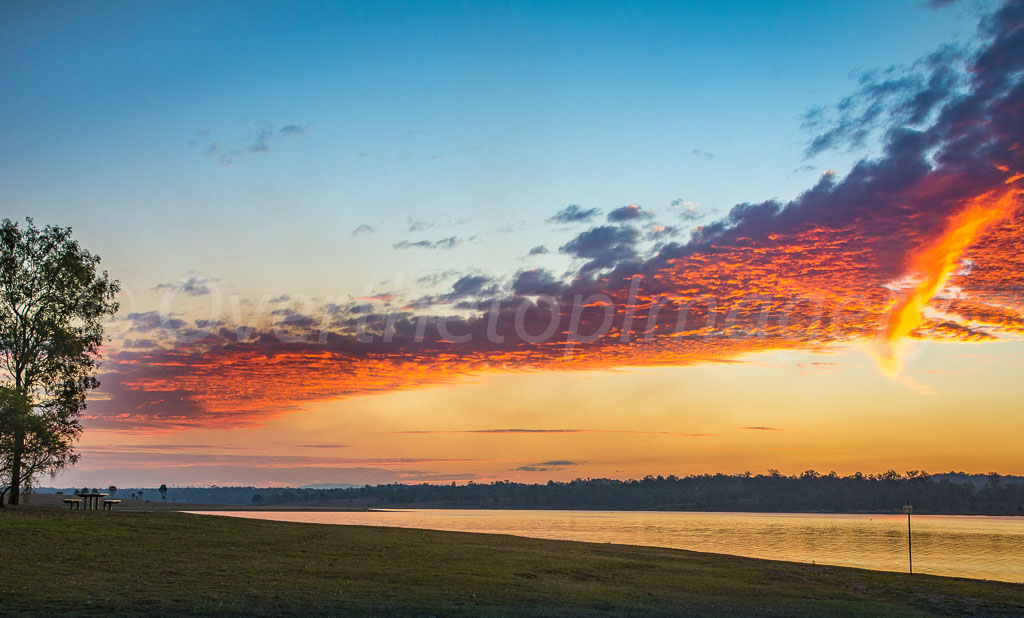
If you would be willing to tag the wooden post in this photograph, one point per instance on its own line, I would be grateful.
(908, 509)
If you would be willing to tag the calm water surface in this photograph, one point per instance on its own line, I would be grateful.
(962, 546)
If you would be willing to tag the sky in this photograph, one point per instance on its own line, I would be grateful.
(435, 242)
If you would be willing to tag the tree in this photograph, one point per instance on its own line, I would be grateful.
(47, 445)
(53, 301)
(112, 490)
(163, 492)
(14, 412)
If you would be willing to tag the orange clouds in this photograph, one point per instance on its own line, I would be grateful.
(932, 266)
(810, 287)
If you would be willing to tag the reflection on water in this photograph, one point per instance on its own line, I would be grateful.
(963, 546)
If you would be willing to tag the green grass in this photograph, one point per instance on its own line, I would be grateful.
(54, 561)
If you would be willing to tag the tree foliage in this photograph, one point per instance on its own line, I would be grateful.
(810, 491)
(53, 302)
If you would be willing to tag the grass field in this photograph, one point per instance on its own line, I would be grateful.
(57, 561)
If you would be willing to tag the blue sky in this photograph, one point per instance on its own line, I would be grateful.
(490, 114)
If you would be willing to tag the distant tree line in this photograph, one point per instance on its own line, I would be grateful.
(953, 493)
(233, 496)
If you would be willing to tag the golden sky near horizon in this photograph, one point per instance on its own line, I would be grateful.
(957, 408)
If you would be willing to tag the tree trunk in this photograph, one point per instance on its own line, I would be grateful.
(19, 449)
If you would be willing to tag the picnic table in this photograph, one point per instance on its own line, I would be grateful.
(91, 499)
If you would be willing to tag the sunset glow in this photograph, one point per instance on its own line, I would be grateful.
(933, 265)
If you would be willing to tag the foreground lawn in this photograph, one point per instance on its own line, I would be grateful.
(72, 562)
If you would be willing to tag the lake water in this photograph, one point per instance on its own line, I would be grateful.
(962, 546)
